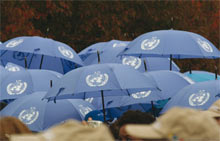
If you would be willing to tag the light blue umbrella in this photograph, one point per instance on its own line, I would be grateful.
(91, 51)
(39, 53)
(200, 76)
(17, 84)
(179, 44)
(110, 51)
(87, 81)
(170, 82)
(40, 114)
(198, 96)
(171, 43)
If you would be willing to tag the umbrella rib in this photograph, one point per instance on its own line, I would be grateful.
(30, 61)
(61, 59)
(4, 53)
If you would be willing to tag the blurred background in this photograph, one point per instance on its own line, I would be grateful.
(82, 23)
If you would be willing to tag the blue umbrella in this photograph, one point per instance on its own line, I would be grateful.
(86, 81)
(173, 44)
(101, 47)
(110, 55)
(20, 83)
(198, 96)
(200, 76)
(143, 97)
(170, 82)
(39, 114)
(117, 105)
(39, 53)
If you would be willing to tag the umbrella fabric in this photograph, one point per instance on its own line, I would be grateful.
(40, 114)
(20, 83)
(179, 44)
(201, 76)
(170, 82)
(110, 55)
(41, 53)
(198, 96)
(114, 113)
(101, 77)
(144, 97)
(101, 47)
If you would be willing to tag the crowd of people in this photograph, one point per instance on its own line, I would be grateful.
(177, 124)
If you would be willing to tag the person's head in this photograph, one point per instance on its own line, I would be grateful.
(214, 111)
(11, 125)
(2, 105)
(178, 123)
(67, 131)
(135, 117)
(130, 117)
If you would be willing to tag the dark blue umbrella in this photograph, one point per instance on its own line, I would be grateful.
(198, 96)
(143, 97)
(110, 54)
(170, 82)
(200, 76)
(39, 114)
(173, 44)
(87, 81)
(39, 53)
(20, 83)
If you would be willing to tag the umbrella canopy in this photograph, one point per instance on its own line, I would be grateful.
(40, 114)
(122, 101)
(39, 53)
(175, 43)
(101, 47)
(201, 76)
(20, 83)
(110, 55)
(170, 82)
(106, 77)
(101, 77)
(198, 96)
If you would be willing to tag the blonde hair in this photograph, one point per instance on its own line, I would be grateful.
(11, 125)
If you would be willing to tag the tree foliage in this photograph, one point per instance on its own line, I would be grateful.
(82, 23)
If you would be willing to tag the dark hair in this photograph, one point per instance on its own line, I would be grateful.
(135, 117)
(11, 125)
(2, 105)
(131, 117)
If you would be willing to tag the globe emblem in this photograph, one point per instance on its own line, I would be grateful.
(84, 110)
(97, 79)
(150, 44)
(142, 94)
(16, 88)
(119, 45)
(199, 98)
(29, 116)
(205, 45)
(132, 61)
(14, 43)
(65, 52)
(12, 68)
